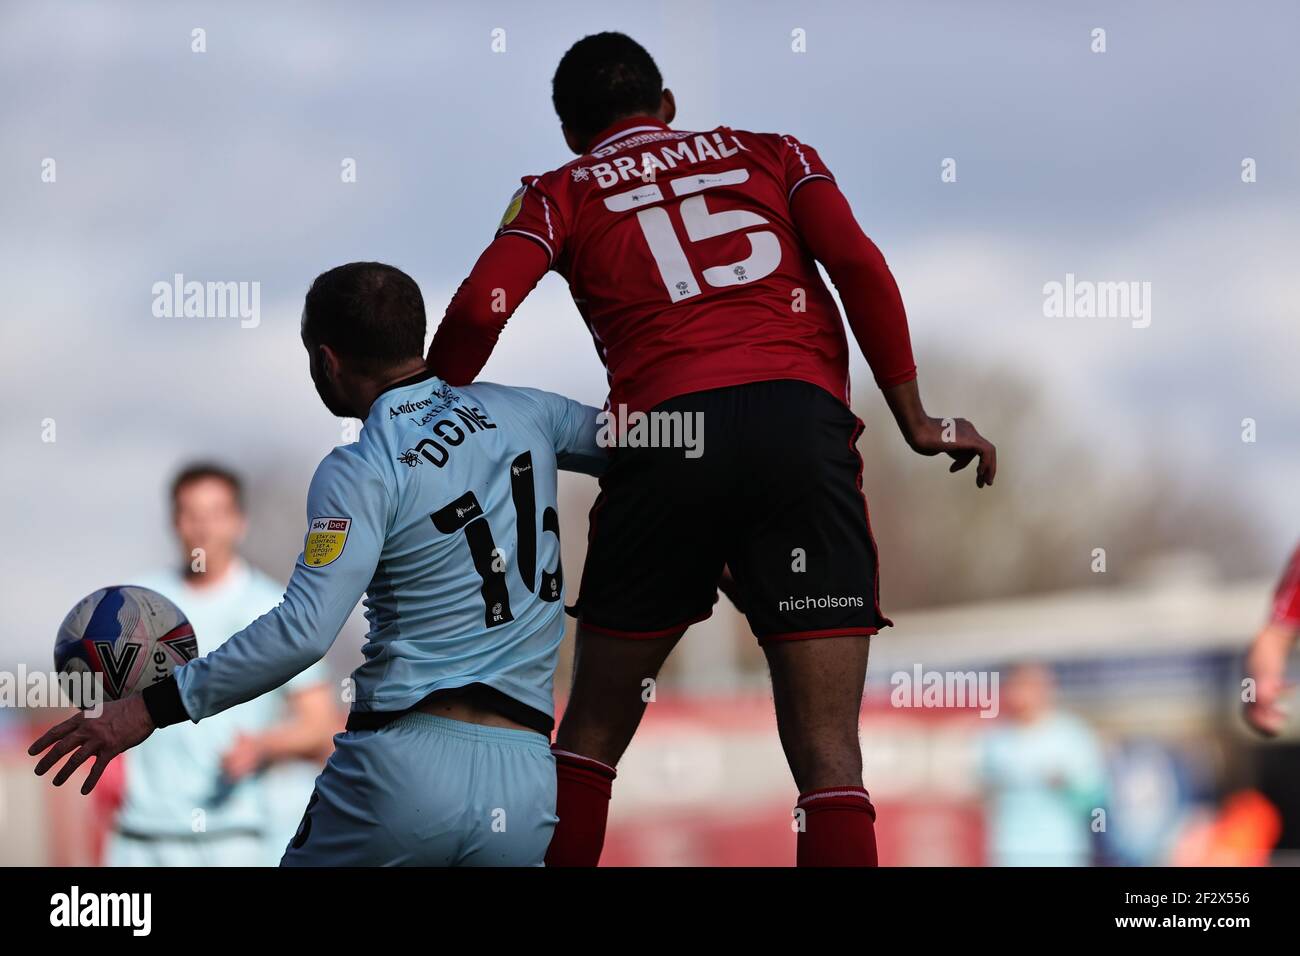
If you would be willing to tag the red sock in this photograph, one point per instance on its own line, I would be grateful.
(839, 828)
(582, 794)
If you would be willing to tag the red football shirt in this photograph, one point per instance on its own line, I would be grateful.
(1286, 600)
(685, 260)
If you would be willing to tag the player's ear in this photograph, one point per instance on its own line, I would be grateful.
(573, 140)
(329, 362)
(668, 107)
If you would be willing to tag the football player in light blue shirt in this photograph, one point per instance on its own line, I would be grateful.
(1044, 772)
(230, 791)
(443, 514)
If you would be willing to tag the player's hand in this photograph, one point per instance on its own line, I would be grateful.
(958, 439)
(121, 725)
(243, 758)
(1266, 665)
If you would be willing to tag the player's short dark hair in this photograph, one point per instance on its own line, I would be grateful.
(367, 311)
(603, 78)
(205, 471)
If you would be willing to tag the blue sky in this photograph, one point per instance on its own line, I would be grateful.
(1115, 166)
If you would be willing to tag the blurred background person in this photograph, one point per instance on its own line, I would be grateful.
(231, 790)
(1043, 774)
(1154, 791)
(1266, 661)
(1250, 826)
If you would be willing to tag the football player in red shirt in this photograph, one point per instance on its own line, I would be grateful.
(1266, 662)
(691, 258)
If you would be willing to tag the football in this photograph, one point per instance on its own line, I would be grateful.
(131, 636)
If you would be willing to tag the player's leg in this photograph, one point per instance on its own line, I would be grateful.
(817, 687)
(653, 560)
(606, 703)
(427, 790)
(609, 692)
(805, 567)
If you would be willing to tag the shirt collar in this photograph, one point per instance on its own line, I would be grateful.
(427, 375)
(236, 577)
(625, 127)
(421, 376)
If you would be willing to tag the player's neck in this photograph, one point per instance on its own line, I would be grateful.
(373, 388)
(214, 573)
(623, 121)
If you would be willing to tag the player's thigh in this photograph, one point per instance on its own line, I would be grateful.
(656, 540)
(803, 556)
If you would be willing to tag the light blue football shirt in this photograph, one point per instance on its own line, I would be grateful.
(174, 781)
(443, 514)
(1045, 781)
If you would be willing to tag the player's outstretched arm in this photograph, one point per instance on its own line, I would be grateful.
(954, 437)
(506, 272)
(347, 516)
(577, 429)
(874, 309)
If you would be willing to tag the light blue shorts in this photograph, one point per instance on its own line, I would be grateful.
(430, 791)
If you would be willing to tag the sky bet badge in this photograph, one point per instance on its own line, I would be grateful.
(325, 540)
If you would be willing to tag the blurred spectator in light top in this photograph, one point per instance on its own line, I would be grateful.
(231, 790)
(1266, 663)
(1043, 773)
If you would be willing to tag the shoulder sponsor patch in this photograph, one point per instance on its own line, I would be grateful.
(326, 537)
(516, 201)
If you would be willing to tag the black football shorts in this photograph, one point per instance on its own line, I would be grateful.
(773, 491)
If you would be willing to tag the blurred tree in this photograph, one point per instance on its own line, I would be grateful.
(1062, 491)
